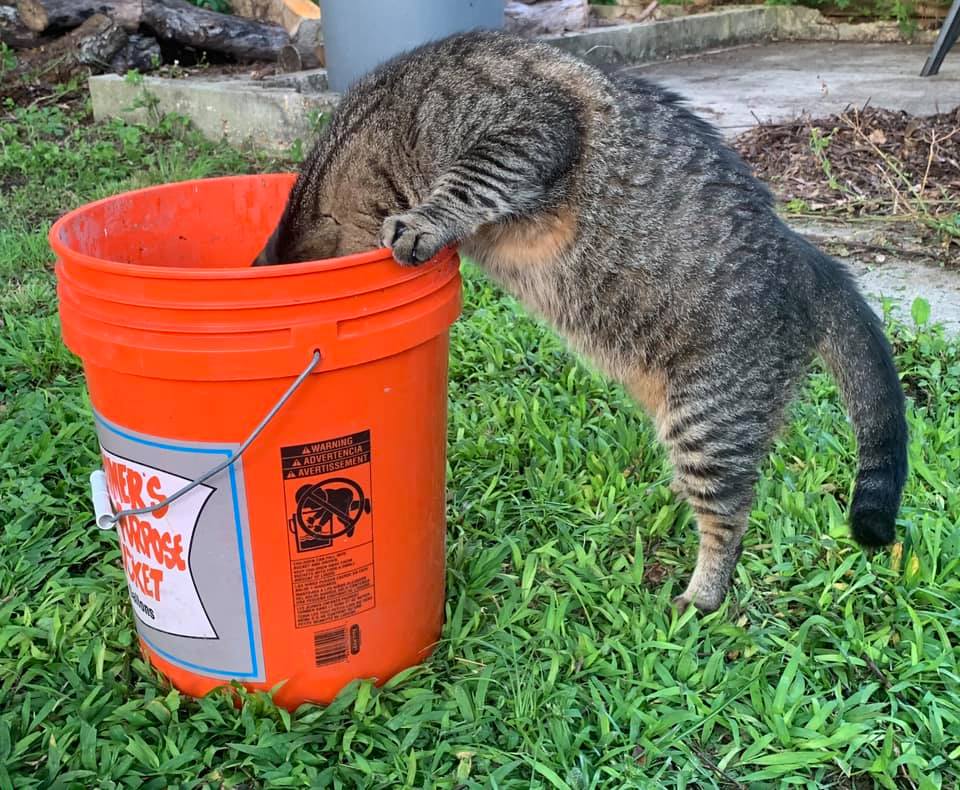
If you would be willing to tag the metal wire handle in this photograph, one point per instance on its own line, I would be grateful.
(103, 508)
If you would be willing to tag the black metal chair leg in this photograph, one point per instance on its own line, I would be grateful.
(949, 33)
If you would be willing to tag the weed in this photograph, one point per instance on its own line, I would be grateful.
(297, 151)
(223, 6)
(8, 60)
(797, 206)
(318, 121)
(819, 143)
(909, 196)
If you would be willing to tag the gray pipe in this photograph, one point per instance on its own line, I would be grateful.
(359, 35)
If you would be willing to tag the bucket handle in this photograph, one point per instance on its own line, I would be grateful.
(106, 518)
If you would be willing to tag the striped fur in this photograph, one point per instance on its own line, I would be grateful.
(620, 217)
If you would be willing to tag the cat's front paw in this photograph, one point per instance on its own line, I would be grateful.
(412, 237)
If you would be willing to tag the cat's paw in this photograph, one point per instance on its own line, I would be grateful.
(705, 603)
(412, 237)
(680, 603)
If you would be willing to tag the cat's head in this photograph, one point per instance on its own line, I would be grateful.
(303, 239)
(337, 206)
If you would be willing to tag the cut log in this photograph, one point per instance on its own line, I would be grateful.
(38, 15)
(628, 11)
(140, 52)
(261, 10)
(546, 17)
(296, 12)
(305, 51)
(648, 11)
(287, 13)
(13, 32)
(174, 20)
(244, 39)
(96, 44)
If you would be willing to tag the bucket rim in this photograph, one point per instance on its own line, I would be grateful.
(64, 252)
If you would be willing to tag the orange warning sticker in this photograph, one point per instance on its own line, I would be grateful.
(327, 490)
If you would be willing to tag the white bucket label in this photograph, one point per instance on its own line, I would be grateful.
(188, 565)
(156, 546)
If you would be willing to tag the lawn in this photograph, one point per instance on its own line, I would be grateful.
(561, 663)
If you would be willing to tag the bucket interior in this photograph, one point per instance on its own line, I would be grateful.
(161, 280)
(213, 223)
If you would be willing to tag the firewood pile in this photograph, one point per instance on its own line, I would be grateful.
(55, 40)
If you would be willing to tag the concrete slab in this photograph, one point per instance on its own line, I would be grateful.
(891, 261)
(903, 281)
(779, 81)
(273, 113)
(637, 43)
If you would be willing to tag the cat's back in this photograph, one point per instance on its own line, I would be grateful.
(488, 61)
(471, 81)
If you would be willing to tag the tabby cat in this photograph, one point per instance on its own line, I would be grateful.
(620, 217)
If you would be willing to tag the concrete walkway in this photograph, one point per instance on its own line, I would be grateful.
(777, 82)
(889, 261)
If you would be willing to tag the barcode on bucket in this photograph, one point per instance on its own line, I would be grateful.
(329, 647)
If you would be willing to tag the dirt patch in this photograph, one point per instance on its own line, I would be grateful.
(34, 90)
(926, 15)
(10, 182)
(867, 161)
(37, 93)
(255, 70)
(654, 574)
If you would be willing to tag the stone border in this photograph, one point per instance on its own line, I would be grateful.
(798, 23)
(642, 42)
(272, 114)
(276, 112)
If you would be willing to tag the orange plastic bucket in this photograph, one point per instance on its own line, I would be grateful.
(318, 557)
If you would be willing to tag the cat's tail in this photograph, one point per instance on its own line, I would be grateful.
(855, 348)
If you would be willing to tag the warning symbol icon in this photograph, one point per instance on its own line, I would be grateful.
(327, 490)
(326, 511)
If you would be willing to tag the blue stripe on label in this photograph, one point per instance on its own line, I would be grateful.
(251, 642)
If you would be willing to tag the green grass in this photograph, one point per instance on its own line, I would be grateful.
(561, 664)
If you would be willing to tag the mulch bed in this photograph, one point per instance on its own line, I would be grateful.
(863, 161)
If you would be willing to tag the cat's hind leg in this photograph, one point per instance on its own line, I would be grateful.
(716, 445)
(721, 541)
